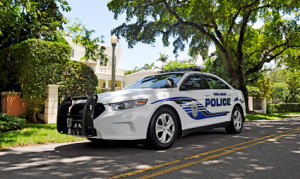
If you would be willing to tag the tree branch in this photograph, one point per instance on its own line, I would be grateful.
(265, 59)
(205, 32)
(233, 21)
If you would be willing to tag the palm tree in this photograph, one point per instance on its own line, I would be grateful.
(149, 66)
(163, 58)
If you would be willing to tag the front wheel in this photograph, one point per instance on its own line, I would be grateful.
(163, 129)
(237, 121)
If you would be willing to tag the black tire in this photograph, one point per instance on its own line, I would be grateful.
(163, 124)
(237, 121)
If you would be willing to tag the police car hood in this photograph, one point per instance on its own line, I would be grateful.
(127, 95)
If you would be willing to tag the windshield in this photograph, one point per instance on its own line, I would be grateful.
(156, 81)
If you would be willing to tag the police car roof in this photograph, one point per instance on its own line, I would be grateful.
(183, 70)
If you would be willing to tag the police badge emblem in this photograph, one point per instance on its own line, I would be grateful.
(194, 107)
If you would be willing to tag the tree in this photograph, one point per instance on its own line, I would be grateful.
(293, 82)
(26, 19)
(177, 64)
(39, 63)
(163, 59)
(148, 66)
(83, 36)
(227, 24)
(280, 93)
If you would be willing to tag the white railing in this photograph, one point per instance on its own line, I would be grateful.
(105, 69)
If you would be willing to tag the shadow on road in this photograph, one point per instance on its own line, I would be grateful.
(85, 159)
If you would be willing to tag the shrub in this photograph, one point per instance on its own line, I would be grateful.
(78, 79)
(271, 109)
(8, 123)
(36, 63)
(284, 107)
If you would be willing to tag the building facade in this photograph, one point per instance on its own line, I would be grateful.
(103, 70)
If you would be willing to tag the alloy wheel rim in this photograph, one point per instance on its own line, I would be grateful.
(165, 128)
(237, 120)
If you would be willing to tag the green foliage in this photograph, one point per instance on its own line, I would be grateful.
(287, 87)
(280, 93)
(293, 82)
(283, 108)
(35, 134)
(78, 79)
(227, 24)
(8, 123)
(271, 109)
(292, 60)
(254, 91)
(163, 59)
(177, 64)
(215, 65)
(148, 66)
(83, 36)
(277, 75)
(261, 88)
(98, 90)
(38, 63)
(251, 117)
(145, 67)
(22, 20)
(128, 72)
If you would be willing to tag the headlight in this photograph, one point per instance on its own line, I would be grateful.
(128, 104)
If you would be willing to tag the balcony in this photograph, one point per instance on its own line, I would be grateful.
(107, 70)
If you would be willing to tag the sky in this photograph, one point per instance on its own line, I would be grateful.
(96, 16)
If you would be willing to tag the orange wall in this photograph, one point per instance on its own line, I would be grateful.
(13, 105)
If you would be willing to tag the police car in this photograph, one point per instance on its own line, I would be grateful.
(157, 108)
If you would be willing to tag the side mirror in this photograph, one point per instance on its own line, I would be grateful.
(170, 83)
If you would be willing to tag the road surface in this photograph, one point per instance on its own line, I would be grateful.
(265, 149)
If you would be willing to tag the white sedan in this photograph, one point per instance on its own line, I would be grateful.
(157, 108)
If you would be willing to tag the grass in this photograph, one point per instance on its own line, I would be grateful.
(34, 134)
(274, 116)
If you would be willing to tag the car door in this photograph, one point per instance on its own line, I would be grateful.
(220, 100)
(194, 90)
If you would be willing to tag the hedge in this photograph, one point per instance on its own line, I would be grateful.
(8, 123)
(32, 64)
(283, 107)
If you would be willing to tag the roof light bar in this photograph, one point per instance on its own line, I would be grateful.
(195, 68)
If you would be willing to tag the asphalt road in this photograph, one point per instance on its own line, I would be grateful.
(265, 149)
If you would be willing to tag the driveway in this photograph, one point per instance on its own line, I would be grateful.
(265, 149)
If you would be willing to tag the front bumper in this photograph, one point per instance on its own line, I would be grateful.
(128, 124)
(86, 117)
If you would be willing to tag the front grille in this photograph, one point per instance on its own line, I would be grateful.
(75, 126)
(75, 122)
(99, 109)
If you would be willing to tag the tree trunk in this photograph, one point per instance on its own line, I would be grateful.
(34, 116)
(241, 85)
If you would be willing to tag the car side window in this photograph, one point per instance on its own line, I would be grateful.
(215, 83)
(194, 82)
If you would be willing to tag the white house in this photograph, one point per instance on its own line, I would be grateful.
(103, 71)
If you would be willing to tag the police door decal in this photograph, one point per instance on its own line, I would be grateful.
(194, 108)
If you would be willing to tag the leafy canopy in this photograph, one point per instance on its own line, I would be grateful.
(229, 24)
(25, 19)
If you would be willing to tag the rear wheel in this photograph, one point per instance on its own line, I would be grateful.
(237, 121)
(163, 129)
